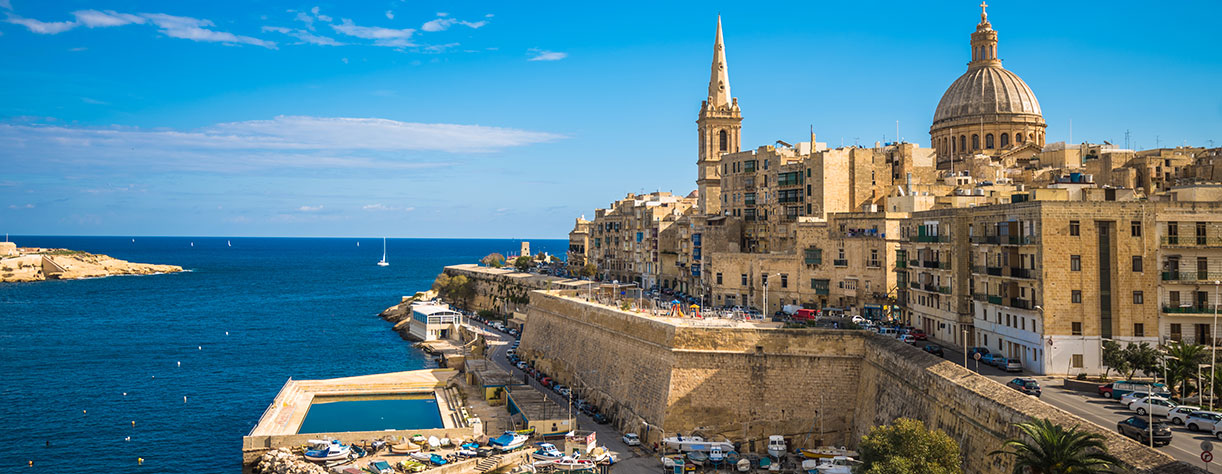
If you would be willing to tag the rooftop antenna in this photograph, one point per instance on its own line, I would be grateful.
(897, 132)
(1157, 142)
(1126, 140)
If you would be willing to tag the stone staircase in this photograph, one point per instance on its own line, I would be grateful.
(487, 464)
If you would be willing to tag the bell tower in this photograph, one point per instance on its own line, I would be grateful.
(719, 127)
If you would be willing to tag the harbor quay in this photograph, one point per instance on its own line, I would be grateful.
(659, 377)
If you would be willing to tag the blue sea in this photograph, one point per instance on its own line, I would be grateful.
(83, 359)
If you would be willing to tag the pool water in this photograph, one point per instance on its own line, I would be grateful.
(400, 412)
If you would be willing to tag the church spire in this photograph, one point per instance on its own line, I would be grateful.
(719, 79)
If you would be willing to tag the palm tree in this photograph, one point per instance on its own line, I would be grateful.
(1051, 449)
(1182, 363)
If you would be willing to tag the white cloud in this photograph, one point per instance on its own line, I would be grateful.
(102, 19)
(196, 29)
(398, 38)
(390, 15)
(442, 14)
(6, 5)
(376, 207)
(439, 48)
(544, 55)
(78, 49)
(320, 16)
(444, 22)
(310, 208)
(42, 27)
(88, 100)
(305, 18)
(284, 142)
(304, 36)
(15, 206)
(474, 24)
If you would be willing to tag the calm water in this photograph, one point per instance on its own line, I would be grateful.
(372, 415)
(243, 320)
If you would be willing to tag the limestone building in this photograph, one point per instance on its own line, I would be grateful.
(719, 127)
(987, 110)
(626, 235)
(579, 245)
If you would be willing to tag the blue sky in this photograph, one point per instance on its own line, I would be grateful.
(422, 119)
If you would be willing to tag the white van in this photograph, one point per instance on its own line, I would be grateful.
(889, 332)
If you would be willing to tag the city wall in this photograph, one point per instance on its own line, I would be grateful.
(503, 290)
(656, 376)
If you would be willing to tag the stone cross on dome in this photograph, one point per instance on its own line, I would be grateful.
(984, 15)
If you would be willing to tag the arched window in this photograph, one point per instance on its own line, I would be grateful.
(724, 142)
(988, 141)
(1018, 138)
(1005, 140)
(975, 141)
(962, 143)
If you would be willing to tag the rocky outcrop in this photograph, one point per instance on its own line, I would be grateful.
(401, 314)
(283, 461)
(37, 264)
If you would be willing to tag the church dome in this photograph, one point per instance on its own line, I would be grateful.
(986, 90)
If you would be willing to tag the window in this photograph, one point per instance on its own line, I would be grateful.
(1074, 228)
(744, 279)
(988, 141)
(1139, 330)
(1075, 296)
(1005, 140)
(764, 279)
(724, 141)
(1177, 332)
(1138, 298)
(962, 142)
(784, 280)
(1135, 228)
(1018, 138)
(1076, 328)
(1137, 263)
(975, 141)
(1077, 361)
(719, 278)
(1075, 263)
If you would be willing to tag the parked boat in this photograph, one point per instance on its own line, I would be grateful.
(445, 442)
(673, 460)
(321, 451)
(776, 446)
(419, 456)
(526, 432)
(351, 470)
(437, 459)
(404, 448)
(411, 465)
(419, 439)
(744, 465)
(832, 465)
(380, 467)
(827, 452)
(716, 455)
(470, 445)
(546, 452)
(697, 457)
(358, 451)
(543, 463)
(600, 455)
(694, 443)
(434, 443)
(765, 462)
(508, 441)
(731, 457)
(570, 464)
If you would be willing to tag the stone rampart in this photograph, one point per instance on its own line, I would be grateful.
(659, 375)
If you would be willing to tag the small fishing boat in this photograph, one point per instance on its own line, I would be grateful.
(697, 457)
(526, 432)
(434, 443)
(731, 457)
(743, 465)
(358, 451)
(832, 465)
(419, 439)
(437, 459)
(546, 452)
(445, 442)
(420, 456)
(508, 441)
(716, 455)
(765, 463)
(469, 445)
(380, 467)
(404, 448)
(600, 455)
(321, 451)
(469, 453)
(351, 470)
(828, 452)
(570, 464)
(776, 446)
(672, 460)
(410, 465)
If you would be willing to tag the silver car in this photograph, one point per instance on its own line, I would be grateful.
(1180, 414)
(1202, 420)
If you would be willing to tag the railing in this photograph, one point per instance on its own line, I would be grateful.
(929, 287)
(914, 263)
(914, 285)
(1192, 240)
(1195, 309)
(1022, 272)
(995, 271)
(980, 297)
(1019, 240)
(984, 239)
(932, 264)
(813, 261)
(1191, 276)
(929, 238)
(944, 290)
(994, 299)
(901, 264)
(1021, 304)
(874, 263)
(840, 263)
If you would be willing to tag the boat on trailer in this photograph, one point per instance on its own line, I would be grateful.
(508, 441)
(322, 451)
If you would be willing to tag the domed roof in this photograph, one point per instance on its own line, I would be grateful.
(986, 90)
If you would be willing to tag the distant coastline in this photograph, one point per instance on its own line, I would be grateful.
(26, 264)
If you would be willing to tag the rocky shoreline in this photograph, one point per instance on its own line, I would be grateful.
(400, 315)
(26, 264)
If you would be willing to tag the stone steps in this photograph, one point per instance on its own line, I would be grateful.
(488, 463)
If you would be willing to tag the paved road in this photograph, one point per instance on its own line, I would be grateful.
(1185, 445)
(629, 460)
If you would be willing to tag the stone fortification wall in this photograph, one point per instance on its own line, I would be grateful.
(503, 290)
(745, 383)
(898, 380)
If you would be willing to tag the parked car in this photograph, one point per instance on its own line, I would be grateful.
(983, 351)
(987, 359)
(858, 319)
(511, 352)
(1138, 428)
(1202, 420)
(1156, 405)
(1181, 414)
(601, 418)
(1011, 365)
(1027, 386)
(1131, 397)
(631, 439)
(1120, 388)
(933, 349)
(907, 339)
(919, 335)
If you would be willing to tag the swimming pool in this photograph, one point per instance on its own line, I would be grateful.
(399, 412)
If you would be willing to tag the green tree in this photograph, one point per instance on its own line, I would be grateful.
(522, 263)
(1048, 448)
(441, 283)
(589, 270)
(1143, 357)
(1182, 362)
(460, 289)
(907, 447)
(494, 260)
(1113, 358)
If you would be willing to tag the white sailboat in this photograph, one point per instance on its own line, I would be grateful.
(383, 262)
(229, 242)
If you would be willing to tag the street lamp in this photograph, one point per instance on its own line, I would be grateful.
(1200, 395)
(766, 275)
(1213, 331)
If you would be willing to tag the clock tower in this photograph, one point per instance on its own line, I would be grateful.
(719, 126)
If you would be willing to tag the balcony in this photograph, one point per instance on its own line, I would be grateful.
(935, 264)
(1017, 240)
(944, 290)
(901, 264)
(874, 263)
(1192, 241)
(1194, 309)
(929, 238)
(994, 299)
(914, 285)
(1022, 273)
(1021, 304)
(914, 263)
(984, 239)
(995, 271)
(813, 260)
(840, 263)
(929, 287)
(980, 297)
(1191, 276)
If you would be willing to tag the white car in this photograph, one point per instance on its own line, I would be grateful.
(1181, 413)
(631, 439)
(1157, 405)
(907, 338)
(1131, 397)
(858, 319)
(1202, 420)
